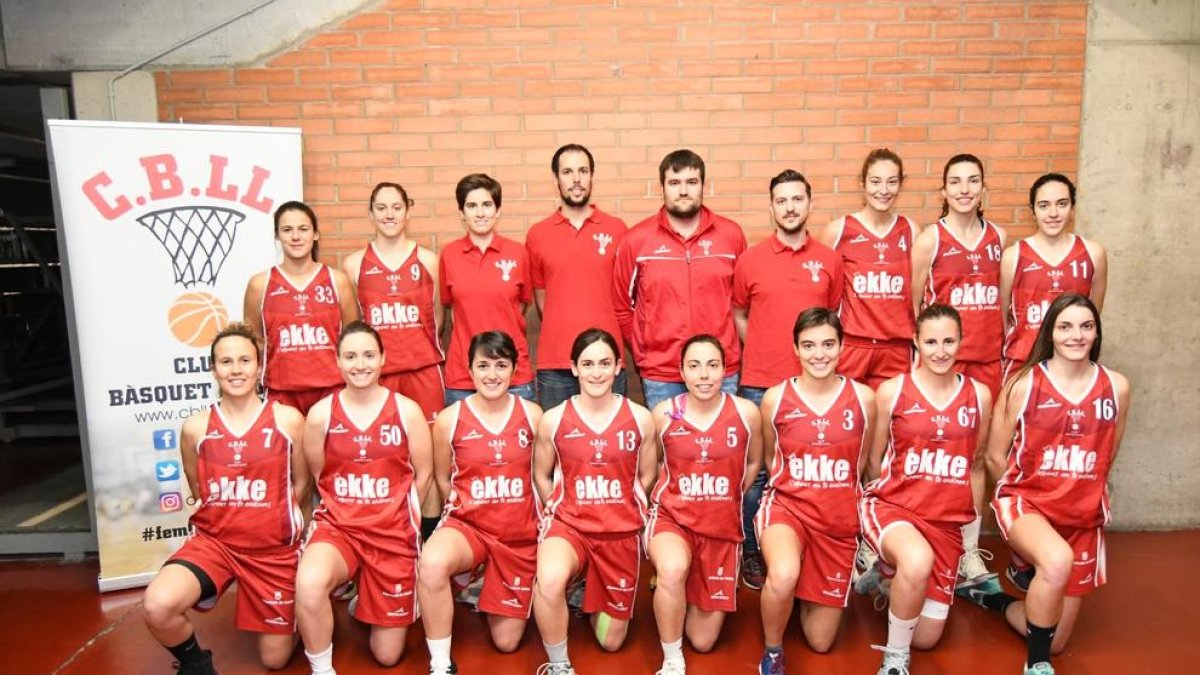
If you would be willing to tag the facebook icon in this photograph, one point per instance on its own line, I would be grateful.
(164, 439)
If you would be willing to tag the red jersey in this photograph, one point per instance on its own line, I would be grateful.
(596, 483)
(1063, 450)
(927, 465)
(575, 268)
(246, 491)
(300, 328)
(968, 279)
(700, 482)
(366, 486)
(818, 457)
(877, 298)
(666, 289)
(491, 475)
(775, 283)
(1036, 283)
(486, 290)
(399, 304)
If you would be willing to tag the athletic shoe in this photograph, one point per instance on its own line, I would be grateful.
(672, 667)
(1020, 577)
(202, 665)
(974, 574)
(552, 668)
(347, 591)
(469, 595)
(975, 595)
(352, 608)
(869, 581)
(1040, 668)
(772, 664)
(754, 570)
(451, 669)
(575, 598)
(895, 661)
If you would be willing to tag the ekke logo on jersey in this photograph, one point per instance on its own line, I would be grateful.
(197, 237)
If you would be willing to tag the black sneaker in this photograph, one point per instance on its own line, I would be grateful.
(1020, 577)
(201, 665)
(754, 570)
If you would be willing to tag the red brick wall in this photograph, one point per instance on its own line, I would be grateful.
(425, 91)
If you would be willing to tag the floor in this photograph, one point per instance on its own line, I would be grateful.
(1145, 621)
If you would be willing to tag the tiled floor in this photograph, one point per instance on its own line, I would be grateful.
(1145, 621)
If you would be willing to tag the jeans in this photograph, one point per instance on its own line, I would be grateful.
(753, 496)
(658, 391)
(525, 391)
(556, 386)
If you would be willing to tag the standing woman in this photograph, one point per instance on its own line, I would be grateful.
(876, 246)
(485, 285)
(594, 461)
(1036, 270)
(369, 449)
(956, 261)
(1054, 440)
(252, 538)
(483, 461)
(926, 460)
(818, 427)
(397, 287)
(712, 452)
(299, 307)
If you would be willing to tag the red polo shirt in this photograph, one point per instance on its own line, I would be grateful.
(574, 267)
(776, 283)
(667, 289)
(486, 290)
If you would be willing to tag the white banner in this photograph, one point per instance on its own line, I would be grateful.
(162, 225)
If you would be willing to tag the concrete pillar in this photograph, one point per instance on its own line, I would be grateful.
(136, 97)
(1139, 178)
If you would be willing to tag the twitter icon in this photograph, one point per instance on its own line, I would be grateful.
(165, 471)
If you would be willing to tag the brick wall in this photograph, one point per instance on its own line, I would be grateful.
(424, 91)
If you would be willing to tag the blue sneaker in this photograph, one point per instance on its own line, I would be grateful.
(772, 663)
(1040, 668)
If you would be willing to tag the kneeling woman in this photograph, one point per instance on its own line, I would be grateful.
(593, 463)
(482, 461)
(240, 440)
(927, 457)
(712, 451)
(808, 520)
(1054, 440)
(370, 451)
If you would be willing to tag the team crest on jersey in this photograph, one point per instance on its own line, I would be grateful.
(662, 250)
(953, 250)
(1050, 402)
(338, 429)
(705, 442)
(680, 431)
(373, 271)
(705, 244)
(821, 425)
(497, 446)
(238, 447)
(362, 441)
(393, 283)
(1032, 267)
(796, 413)
(940, 421)
(1055, 275)
(915, 410)
(974, 258)
(1076, 414)
(575, 433)
(598, 445)
(471, 435)
(814, 268)
(301, 304)
(859, 239)
(506, 266)
(881, 247)
(603, 239)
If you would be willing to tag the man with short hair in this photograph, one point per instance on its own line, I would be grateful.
(571, 254)
(674, 278)
(773, 282)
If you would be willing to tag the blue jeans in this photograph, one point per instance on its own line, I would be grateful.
(753, 496)
(658, 391)
(525, 391)
(557, 385)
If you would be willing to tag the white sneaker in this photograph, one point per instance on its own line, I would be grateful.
(672, 667)
(895, 661)
(974, 573)
(552, 668)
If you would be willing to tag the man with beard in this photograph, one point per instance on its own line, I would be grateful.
(571, 256)
(674, 278)
(776, 280)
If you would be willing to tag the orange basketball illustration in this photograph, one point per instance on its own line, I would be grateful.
(195, 318)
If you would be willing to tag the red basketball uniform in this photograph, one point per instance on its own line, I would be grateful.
(968, 279)
(491, 474)
(596, 486)
(818, 458)
(1063, 450)
(370, 511)
(926, 469)
(248, 524)
(700, 482)
(301, 327)
(399, 304)
(1036, 283)
(877, 304)
(246, 492)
